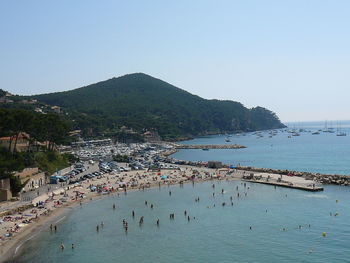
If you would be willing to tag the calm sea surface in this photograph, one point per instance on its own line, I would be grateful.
(217, 234)
(220, 233)
(324, 153)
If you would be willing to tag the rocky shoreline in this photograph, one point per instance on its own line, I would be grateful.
(209, 146)
(333, 179)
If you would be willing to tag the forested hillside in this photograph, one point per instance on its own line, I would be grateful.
(142, 102)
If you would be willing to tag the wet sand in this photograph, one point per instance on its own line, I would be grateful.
(10, 247)
(51, 213)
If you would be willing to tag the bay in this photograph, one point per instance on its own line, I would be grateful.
(324, 153)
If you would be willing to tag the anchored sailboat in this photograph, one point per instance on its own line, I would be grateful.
(339, 131)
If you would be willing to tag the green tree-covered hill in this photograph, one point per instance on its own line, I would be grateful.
(142, 102)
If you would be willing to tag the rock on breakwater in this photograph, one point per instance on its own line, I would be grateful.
(209, 146)
(320, 178)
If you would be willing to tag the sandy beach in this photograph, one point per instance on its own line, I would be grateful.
(22, 226)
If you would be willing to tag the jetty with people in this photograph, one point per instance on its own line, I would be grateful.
(288, 181)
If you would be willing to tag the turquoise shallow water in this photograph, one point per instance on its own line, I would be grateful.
(218, 234)
(324, 153)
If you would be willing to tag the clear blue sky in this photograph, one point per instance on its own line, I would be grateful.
(292, 57)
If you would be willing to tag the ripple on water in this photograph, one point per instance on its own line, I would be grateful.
(218, 234)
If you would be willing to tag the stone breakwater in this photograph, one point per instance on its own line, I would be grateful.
(320, 178)
(209, 146)
(177, 147)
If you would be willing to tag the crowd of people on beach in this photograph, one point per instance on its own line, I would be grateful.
(111, 184)
(15, 221)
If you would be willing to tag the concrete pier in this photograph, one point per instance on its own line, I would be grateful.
(280, 180)
(288, 185)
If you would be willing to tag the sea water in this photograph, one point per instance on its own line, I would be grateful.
(323, 153)
(286, 226)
